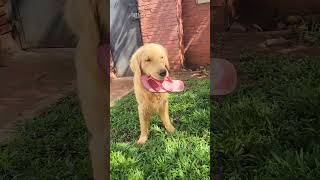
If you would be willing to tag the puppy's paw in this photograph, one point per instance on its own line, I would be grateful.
(142, 140)
(171, 129)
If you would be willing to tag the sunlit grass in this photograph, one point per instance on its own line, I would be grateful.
(54, 145)
(182, 155)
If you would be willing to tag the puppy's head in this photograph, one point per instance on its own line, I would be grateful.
(151, 59)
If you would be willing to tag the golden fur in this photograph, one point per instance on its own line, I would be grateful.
(150, 59)
(91, 81)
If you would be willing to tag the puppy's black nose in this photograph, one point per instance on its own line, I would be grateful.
(163, 72)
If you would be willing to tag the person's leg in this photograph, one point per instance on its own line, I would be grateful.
(93, 94)
(93, 87)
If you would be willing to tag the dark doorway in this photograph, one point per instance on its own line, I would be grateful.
(41, 24)
(125, 33)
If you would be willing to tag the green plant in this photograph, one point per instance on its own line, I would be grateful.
(309, 32)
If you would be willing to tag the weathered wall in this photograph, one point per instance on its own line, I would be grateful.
(183, 27)
(196, 28)
(285, 6)
(218, 16)
(266, 12)
(4, 23)
(6, 40)
(160, 24)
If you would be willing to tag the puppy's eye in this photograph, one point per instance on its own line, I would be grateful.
(161, 57)
(148, 60)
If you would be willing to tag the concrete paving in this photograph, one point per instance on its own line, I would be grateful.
(119, 88)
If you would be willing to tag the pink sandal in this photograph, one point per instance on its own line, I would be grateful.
(224, 77)
(167, 85)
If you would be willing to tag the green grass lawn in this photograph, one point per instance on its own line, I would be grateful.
(54, 145)
(270, 127)
(182, 155)
(51, 146)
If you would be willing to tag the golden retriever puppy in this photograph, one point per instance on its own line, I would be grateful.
(150, 59)
(89, 20)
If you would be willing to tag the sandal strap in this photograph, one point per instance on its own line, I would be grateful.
(159, 84)
(169, 79)
(155, 81)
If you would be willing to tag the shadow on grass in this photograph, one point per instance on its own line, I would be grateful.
(269, 128)
(51, 146)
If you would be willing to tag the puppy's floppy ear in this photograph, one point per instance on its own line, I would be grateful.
(167, 65)
(135, 63)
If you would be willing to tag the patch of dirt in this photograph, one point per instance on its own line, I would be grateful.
(230, 45)
(120, 87)
(188, 74)
(32, 81)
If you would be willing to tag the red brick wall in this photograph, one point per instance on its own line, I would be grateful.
(160, 23)
(218, 16)
(6, 40)
(196, 28)
(182, 26)
(4, 24)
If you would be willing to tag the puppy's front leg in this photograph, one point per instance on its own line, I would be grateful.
(144, 119)
(164, 115)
